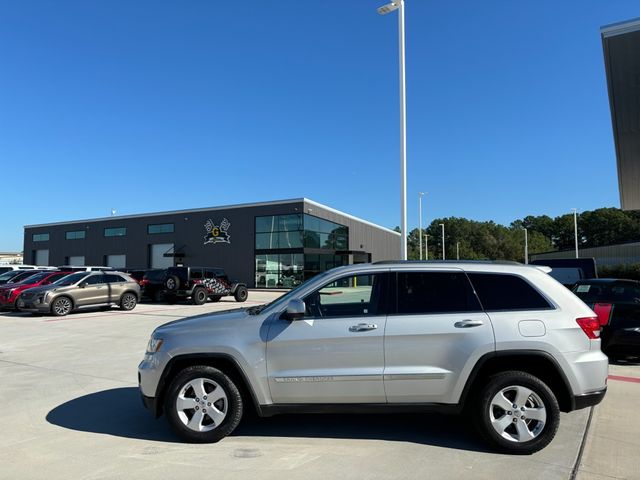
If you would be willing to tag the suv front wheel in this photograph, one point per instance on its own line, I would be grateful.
(203, 405)
(517, 412)
(61, 306)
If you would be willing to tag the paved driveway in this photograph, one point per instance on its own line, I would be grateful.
(71, 410)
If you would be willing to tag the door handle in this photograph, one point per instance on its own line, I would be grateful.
(363, 327)
(468, 323)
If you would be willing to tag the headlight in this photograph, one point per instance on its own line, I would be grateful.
(154, 345)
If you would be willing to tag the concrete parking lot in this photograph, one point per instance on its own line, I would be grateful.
(71, 410)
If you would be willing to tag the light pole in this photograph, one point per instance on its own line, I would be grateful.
(443, 255)
(526, 246)
(420, 195)
(390, 7)
(457, 250)
(426, 246)
(575, 228)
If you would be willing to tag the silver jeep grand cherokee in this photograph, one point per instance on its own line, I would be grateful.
(503, 341)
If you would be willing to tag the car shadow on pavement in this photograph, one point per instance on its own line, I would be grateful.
(119, 412)
(449, 431)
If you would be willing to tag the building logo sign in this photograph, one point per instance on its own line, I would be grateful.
(217, 233)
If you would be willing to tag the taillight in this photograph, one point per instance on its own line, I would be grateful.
(590, 326)
(603, 311)
(143, 282)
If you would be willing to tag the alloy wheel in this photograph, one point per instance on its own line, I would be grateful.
(202, 405)
(517, 414)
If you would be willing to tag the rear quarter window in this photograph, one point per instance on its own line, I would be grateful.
(507, 292)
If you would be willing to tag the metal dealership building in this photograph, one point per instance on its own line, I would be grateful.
(621, 44)
(267, 245)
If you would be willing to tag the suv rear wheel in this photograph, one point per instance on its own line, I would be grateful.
(199, 296)
(203, 405)
(128, 301)
(517, 412)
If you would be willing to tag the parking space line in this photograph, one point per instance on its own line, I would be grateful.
(624, 379)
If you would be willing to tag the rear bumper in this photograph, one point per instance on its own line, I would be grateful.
(588, 399)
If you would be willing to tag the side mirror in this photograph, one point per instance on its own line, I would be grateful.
(295, 310)
(82, 285)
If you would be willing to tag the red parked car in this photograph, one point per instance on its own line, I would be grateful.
(10, 292)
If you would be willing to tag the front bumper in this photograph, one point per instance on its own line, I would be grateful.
(34, 307)
(150, 403)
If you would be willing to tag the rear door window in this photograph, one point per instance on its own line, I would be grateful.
(435, 292)
(114, 279)
(95, 280)
(507, 292)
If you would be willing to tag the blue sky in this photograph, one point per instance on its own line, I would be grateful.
(151, 106)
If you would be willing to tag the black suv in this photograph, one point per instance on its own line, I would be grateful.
(200, 283)
(152, 284)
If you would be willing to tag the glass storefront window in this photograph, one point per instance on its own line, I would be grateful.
(290, 240)
(294, 232)
(289, 223)
(267, 224)
(279, 271)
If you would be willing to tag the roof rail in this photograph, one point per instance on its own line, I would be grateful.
(445, 262)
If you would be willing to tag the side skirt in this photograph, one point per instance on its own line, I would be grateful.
(271, 410)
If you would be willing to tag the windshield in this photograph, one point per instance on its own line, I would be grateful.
(23, 275)
(10, 274)
(35, 278)
(70, 279)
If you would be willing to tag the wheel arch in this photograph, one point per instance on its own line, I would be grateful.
(223, 362)
(137, 295)
(538, 363)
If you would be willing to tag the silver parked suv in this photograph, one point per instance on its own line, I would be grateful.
(502, 341)
(82, 290)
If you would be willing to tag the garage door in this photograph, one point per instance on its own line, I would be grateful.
(156, 254)
(41, 258)
(78, 260)
(116, 261)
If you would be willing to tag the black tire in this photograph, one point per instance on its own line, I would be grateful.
(128, 301)
(541, 401)
(199, 296)
(231, 405)
(215, 298)
(61, 306)
(241, 293)
(172, 283)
